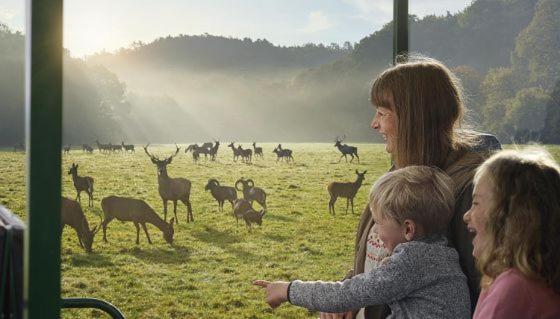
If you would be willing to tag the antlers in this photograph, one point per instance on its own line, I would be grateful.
(154, 158)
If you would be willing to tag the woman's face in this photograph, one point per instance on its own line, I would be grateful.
(385, 121)
(477, 216)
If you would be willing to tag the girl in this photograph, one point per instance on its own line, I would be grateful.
(515, 216)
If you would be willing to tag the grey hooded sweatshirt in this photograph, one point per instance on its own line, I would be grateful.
(421, 279)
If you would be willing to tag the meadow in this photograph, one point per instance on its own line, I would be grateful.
(207, 272)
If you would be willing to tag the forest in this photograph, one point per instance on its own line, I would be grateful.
(202, 87)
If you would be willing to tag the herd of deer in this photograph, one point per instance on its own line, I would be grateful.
(179, 189)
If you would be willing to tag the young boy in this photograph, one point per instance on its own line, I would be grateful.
(422, 278)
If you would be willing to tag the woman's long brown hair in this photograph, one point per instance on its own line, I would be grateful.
(427, 100)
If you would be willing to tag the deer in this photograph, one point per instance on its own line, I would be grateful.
(87, 148)
(67, 148)
(221, 193)
(104, 147)
(236, 152)
(346, 190)
(128, 147)
(246, 154)
(207, 145)
(213, 151)
(171, 189)
(198, 150)
(258, 150)
(250, 192)
(116, 147)
(283, 153)
(82, 183)
(71, 214)
(242, 209)
(346, 150)
(137, 211)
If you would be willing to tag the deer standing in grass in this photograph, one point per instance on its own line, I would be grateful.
(82, 184)
(346, 190)
(171, 189)
(236, 152)
(346, 150)
(72, 215)
(67, 149)
(137, 211)
(258, 150)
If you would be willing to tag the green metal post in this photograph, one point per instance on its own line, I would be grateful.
(43, 140)
(400, 28)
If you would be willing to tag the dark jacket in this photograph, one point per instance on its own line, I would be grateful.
(460, 166)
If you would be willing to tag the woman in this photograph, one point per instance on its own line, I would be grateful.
(419, 113)
(515, 215)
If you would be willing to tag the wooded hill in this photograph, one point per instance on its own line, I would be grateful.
(188, 88)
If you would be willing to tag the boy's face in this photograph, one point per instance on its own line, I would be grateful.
(390, 231)
(477, 216)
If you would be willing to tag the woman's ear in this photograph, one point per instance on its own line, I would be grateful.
(410, 229)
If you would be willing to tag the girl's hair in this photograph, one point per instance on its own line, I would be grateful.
(421, 193)
(523, 220)
(427, 100)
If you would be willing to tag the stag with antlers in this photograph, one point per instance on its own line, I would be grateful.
(171, 189)
(346, 150)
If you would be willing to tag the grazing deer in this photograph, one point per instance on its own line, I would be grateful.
(194, 148)
(242, 209)
(82, 183)
(250, 192)
(346, 150)
(72, 215)
(67, 148)
(258, 150)
(346, 190)
(246, 154)
(19, 147)
(172, 189)
(283, 153)
(128, 147)
(221, 193)
(137, 211)
(236, 152)
(116, 147)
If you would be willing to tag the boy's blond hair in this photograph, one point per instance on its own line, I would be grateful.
(523, 220)
(420, 193)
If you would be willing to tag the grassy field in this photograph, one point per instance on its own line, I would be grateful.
(208, 271)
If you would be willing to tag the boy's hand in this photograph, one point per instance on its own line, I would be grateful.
(276, 292)
(345, 315)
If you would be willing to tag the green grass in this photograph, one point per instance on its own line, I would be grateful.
(208, 271)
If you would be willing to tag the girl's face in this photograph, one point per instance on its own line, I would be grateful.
(477, 216)
(385, 121)
(390, 232)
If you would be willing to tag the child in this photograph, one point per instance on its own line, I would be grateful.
(422, 278)
(515, 216)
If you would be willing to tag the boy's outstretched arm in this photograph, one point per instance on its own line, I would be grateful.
(276, 292)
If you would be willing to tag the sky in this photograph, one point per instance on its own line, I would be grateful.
(94, 25)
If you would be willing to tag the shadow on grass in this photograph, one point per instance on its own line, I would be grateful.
(176, 254)
(279, 217)
(93, 259)
(224, 240)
